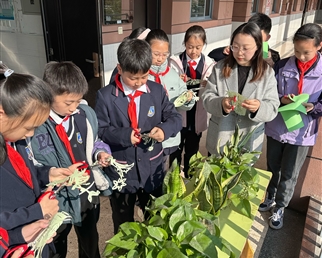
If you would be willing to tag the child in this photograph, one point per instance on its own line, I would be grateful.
(70, 135)
(127, 109)
(24, 104)
(138, 33)
(195, 65)
(162, 73)
(286, 151)
(264, 22)
(244, 72)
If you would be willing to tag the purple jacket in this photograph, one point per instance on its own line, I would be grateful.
(287, 76)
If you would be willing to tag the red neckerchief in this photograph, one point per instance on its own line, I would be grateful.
(19, 166)
(157, 75)
(4, 239)
(193, 74)
(303, 67)
(60, 130)
(131, 110)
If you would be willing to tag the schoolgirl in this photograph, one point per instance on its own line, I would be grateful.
(192, 64)
(162, 73)
(287, 150)
(24, 105)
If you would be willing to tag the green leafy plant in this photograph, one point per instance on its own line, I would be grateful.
(219, 181)
(175, 229)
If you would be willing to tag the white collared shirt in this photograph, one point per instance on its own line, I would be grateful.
(128, 90)
(196, 60)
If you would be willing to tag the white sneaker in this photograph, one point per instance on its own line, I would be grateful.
(268, 203)
(276, 220)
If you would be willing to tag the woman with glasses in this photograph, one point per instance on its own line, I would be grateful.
(162, 73)
(241, 91)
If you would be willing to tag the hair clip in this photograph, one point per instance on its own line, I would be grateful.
(144, 34)
(8, 72)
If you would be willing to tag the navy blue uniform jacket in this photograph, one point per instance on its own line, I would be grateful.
(18, 202)
(115, 129)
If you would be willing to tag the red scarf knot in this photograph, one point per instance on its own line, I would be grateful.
(303, 68)
(193, 74)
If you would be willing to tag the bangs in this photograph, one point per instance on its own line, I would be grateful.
(36, 109)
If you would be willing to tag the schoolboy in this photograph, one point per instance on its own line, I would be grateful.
(264, 22)
(128, 109)
(68, 136)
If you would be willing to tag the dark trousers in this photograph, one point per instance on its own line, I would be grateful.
(123, 205)
(87, 236)
(285, 162)
(190, 143)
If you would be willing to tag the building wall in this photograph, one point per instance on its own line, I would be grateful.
(21, 42)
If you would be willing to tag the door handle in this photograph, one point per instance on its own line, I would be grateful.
(90, 61)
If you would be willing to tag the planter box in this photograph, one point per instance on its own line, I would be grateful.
(234, 226)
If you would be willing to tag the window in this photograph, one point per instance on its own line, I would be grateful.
(294, 5)
(255, 6)
(113, 12)
(201, 9)
(275, 6)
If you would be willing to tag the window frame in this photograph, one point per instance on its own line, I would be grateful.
(204, 17)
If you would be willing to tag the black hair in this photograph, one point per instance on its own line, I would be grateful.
(258, 64)
(65, 77)
(196, 31)
(134, 55)
(136, 32)
(309, 31)
(156, 34)
(263, 21)
(21, 97)
(3, 150)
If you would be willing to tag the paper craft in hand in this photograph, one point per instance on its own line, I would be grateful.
(291, 113)
(265, 50)
(238, 99)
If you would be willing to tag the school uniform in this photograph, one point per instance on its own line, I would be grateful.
(18, 200)
(195, 120)
(153, 110)
(174, 86)
(49, 149)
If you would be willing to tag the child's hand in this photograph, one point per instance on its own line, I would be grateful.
(49, 207)
(251, 104)
(56, 174)
(226, 50)
(203, 83)
(135, 136)
(227, 104)
(157, 134)
(184, 77)
(308, 106)
(286, 100)
(189, 96)
(102, 158)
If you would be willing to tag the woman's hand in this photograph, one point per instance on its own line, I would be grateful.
(251, 104)
(227, 104)
(102, 158)
(60, 173)
(308, 106)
